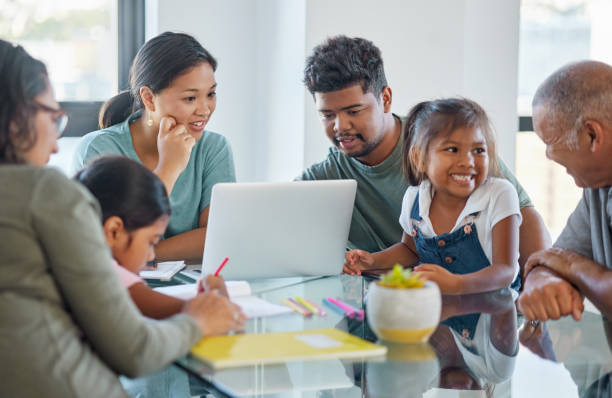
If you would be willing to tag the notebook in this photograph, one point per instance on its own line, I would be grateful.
(274, 230)
(221, 352)
(163, 271)
(239, 292)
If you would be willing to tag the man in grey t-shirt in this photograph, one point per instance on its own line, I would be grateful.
(347, 80)
(572, 114)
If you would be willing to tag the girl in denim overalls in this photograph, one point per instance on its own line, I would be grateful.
(461, 223)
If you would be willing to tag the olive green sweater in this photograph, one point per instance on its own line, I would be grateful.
(67, 326)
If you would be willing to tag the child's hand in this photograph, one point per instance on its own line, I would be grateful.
(215, 314)
(357, 261)
(213, 283)
(448, 282)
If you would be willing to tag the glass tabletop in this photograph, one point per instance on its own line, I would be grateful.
(480, 349)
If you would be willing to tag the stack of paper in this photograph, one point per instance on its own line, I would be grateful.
(239, 292)
(163, 271)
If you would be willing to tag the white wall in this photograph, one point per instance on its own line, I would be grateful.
(431, 49)
(259, 47)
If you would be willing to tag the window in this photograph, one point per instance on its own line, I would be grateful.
(76, 39)
(553, 33)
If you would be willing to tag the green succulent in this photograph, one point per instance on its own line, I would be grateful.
(400, 278)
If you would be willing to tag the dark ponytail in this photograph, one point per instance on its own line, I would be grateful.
(116, 109)
(125, 189)
(158, 62)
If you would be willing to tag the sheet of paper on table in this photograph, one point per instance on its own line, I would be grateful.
(239, 292)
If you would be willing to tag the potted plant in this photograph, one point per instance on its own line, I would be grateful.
(401, 307)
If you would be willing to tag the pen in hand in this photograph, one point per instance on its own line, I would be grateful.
(219, 268)
(225, 260)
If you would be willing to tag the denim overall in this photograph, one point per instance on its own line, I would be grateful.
(459, 252)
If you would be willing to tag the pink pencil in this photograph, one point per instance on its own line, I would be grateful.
(225, 260)
(348, 310)
(359, 313)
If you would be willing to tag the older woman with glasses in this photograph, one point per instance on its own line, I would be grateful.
(67, 326)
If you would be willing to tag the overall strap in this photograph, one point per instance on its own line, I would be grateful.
(414, 211)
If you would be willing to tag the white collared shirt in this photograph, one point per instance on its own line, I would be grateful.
(495, 199)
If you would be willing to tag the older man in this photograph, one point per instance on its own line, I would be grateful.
(572, 114)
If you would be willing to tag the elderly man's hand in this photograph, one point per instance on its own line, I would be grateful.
(547, 296)
(558, 260)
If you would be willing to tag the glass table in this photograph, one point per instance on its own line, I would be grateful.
(480, 349)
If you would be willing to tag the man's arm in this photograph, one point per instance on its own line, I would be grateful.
(592, 279)
(547, 296)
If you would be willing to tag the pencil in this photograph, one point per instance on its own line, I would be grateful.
(307, 312)
(225, 260)
(294, 307)
(306, 304)
(334, 308)
(358, 312)
(319, 309)
(349, 311)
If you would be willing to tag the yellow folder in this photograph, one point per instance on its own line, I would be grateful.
(249, 349)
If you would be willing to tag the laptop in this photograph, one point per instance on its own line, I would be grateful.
(281, 229)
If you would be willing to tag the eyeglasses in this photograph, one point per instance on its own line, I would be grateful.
(60, 122)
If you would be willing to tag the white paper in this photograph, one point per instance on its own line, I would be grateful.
(239, 292)
(254, 307)
(164, 271)
(238, 288)
(184, 292)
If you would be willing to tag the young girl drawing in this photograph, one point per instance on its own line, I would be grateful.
(460, 221)
(135, 214)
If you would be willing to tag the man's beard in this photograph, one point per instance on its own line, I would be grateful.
(366, 150)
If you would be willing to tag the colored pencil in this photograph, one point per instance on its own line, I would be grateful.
(306, 304)
(320, 310)
(334, 308)
(350, 312)
(307, 312)
(294, 307)
(225, 260)
(360, 314)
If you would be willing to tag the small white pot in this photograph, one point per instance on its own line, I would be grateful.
(404, 315)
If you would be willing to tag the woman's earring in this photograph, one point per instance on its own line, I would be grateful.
(150, 122)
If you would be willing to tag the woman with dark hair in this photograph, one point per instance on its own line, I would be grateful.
(160, 123)
(68, 327)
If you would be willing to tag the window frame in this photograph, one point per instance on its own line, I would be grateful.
(83, 115)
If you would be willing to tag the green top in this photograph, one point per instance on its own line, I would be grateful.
(380, 190)
(210, 162)
(68, 326)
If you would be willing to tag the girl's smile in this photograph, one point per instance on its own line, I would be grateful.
(458, 163)
(191, 99)
(463, 178)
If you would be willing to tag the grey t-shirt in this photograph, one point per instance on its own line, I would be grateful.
(380, 190)
(588, 228)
